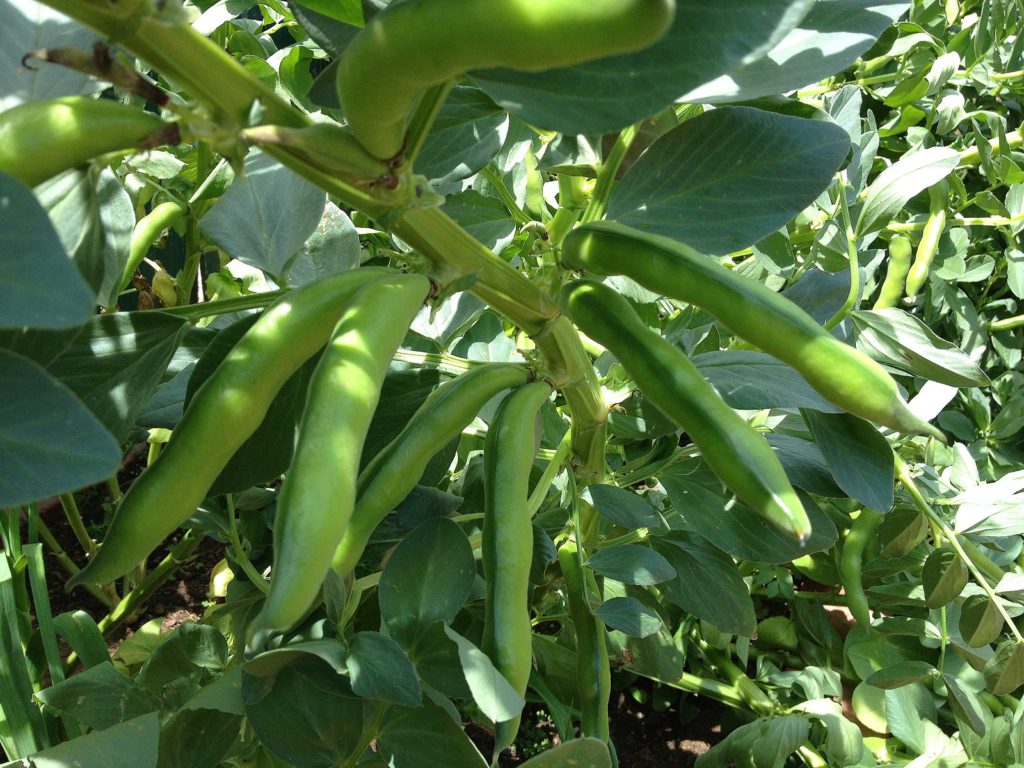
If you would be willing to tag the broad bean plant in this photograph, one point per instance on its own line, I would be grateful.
(517, 355)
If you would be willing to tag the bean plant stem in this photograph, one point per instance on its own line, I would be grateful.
(851, 250)
(540, 491)
(606, 175)
(1007, 324)
(69, 566)
(70, 506)
(903, 473)
(130, 603)
(494, 178)
(239, 553)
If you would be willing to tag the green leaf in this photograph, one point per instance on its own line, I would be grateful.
(81, 633)
(805, 465)
(306, 713)
(899, 339)
(898, 675)
(72, 203)
(944, 577)
(631, 564)
(892, 188)
(764, 743)
(708, 583)
(844, 744)
(115, 364)
(621, 507)
(179, 664)
(629, 616)
(99, 697)
(266, 215)
(902, 529)
(427, 579)
(426, 738)
(333, 247)
(347, 11)
(466, 135)
(706, 40)
(132, 744)
(980, 621)
(485, 218)
(578, 753)
(495, 696)
(734, 527)
(751, 381)
(46, 28)
(49, 441)
(198, 738)
(379, 669)
(828, 39)
(117, 219)
(1004, 672)
(39, 286)
(859, 457)
(965, 705)
(992, 509)
(724, 180)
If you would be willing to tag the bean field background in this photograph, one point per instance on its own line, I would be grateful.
(344, 420)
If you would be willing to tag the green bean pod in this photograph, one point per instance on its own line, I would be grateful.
(40, 139)
(930, 236)
(740, 456)
(593, 674)
(507, 547)
(893, 286)
(223, 414)
(146, 231)
(838, 371)
(851, 563)
(393, 473)
(319, 490)
(410, 47)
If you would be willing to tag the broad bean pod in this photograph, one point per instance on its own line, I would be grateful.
(223, 414)
(740, 456)
(900, 250)
(411, 47)
(930, 236)
(507, 547)
(40, 139)
(393, 473)
(838, 371)
(319, 491)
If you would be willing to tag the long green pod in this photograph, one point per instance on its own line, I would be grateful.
(223, 414)
(319, 491)
(40, 139)
(900, 250)
(838, 371)
(740, 456)
(410, 47)
(146, 231)
(593, 675)
(393, 473)
(507, 547)
(930, 236)
(851, 563)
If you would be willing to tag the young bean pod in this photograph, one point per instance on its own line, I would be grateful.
(319, 490)
(224, 413)
(40, 139)
(891, 292)
(328, 146)
(593, 675)
(410, 47)
(930, 236)
(507, 547)
(851, 563)
(839, 372)
(740, 456)
(393, 473)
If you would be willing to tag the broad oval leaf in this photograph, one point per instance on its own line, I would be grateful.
(622, 507)
(49, 441)
(379, 668)
(892, 188)
(491, 690)
(632, 564)
(629, 616)
(426, 737)
(859, 457)
(427, 579)
(40, 287)
(465, 137)
(944, 577)
(900, 531)
(751, 381)
(1004, 672)
(724, 180)
(898, 675)
(578, 753)
(980, 621)
(131, 744)
(966, 706)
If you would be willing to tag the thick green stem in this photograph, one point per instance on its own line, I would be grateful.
(606, 176)
(851, 250)
(130, 603)
(1007, 324)
(972, 156)
(70, 506)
